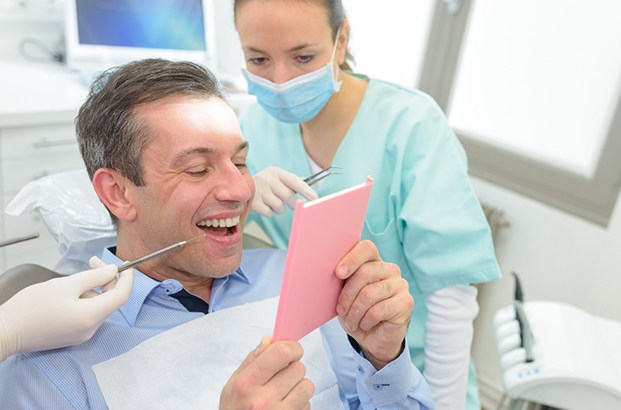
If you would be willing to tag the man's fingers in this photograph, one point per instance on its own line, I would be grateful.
(299, 397)
(273, 359)
(286, 382)
(364, 251)
(265, 342)
(363, 297)
(268, 359)
(271, 376)
(395, 310)
(368, 273)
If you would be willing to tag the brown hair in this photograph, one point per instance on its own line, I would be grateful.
(108, 132)
(336, 17)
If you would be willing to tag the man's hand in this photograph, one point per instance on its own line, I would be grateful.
(375, 304)
(271, 377)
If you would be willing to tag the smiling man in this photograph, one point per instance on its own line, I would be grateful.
(194, 180)
(166, 157)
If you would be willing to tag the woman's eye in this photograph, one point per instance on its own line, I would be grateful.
(257, 60)
(241, 165)
(304, 59)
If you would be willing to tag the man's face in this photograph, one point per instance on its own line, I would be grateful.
(196, 182)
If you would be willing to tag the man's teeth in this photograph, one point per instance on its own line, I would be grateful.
(219, 223)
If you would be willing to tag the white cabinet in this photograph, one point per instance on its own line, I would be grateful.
(26, 154)
(38, 104)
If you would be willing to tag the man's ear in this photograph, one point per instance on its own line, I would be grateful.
(112, 189)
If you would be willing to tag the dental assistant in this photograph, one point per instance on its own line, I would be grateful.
(312, 112)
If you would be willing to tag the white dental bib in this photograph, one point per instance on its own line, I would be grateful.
(187, 366)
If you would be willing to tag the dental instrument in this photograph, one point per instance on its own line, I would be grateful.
(163, 251)
(18, 240)
(331, 170)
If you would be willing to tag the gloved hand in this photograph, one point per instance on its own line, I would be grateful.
(276, 187)
(63, 311)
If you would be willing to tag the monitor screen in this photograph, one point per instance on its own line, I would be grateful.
(104, 33)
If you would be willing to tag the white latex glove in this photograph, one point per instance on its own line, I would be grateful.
(451, 311)
(63, 311)
(276, 187)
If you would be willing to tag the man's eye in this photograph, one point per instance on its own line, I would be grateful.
(241, 165)
(196, 172)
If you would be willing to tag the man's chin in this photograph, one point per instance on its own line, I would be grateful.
(225, 266)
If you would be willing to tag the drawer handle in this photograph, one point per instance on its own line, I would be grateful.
(45, 143)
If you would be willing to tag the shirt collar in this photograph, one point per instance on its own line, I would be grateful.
(144, 285)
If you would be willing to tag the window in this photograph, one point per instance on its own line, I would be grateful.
(531, 88)
(388, 38)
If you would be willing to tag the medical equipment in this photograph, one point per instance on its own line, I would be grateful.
(558, 355)
(331, 170)
(19, 239)
(163, 251)
(190, 28)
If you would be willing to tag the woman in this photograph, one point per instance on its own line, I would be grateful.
(423, 215)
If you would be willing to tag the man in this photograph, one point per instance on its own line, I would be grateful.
(167, 158)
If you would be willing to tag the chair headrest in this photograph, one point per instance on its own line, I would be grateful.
(70, 209)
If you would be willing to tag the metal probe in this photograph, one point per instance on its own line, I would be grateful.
(131, 264)
(20, 239)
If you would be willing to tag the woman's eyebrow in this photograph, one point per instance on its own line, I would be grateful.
(291, 50)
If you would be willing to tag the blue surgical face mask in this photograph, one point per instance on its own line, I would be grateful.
(299, 99)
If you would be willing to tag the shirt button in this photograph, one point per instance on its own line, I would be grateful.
(377, 386)
(360, 370)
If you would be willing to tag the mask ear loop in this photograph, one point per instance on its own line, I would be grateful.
(337, 83)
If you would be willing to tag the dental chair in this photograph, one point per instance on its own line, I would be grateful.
(558, 355)
(78, 221)
(21, 276)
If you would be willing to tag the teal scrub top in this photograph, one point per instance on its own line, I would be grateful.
(423, 213)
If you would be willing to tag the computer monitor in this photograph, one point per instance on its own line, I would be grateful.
(104, 33)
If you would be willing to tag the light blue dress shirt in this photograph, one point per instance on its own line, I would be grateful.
(63, 379)
(423, 213)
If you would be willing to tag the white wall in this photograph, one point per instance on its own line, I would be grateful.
(230, 57)
(558, 257)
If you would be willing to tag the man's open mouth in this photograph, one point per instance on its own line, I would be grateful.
(226, 226)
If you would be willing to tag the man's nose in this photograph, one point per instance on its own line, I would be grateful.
(233, 185)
